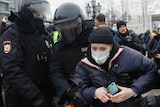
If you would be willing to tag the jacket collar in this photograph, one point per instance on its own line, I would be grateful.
(90, 62)
(102, 24)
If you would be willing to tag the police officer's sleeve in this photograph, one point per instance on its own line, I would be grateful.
(12, 58)
(56, 74)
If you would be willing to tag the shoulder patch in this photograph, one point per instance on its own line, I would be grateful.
(6, 46)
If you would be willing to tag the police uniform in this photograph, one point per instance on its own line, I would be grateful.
(25, 55)
(63, 62)
(25, 62)
(1, 100)
(71, 47)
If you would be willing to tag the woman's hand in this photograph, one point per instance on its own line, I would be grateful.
(123, 95)
(102, 94)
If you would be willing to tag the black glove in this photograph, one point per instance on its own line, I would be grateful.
(71, 92)
(40, 102)
(75, 95)
(148, 101)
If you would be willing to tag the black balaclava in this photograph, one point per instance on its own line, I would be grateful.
(30, 26)
(38, 26)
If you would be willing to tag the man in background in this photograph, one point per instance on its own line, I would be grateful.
(123, 37)
(100, 20)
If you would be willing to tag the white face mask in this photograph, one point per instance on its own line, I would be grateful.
(100, 57)
(115, 29)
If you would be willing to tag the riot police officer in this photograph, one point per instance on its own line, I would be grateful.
(70, 22)
(25, 55)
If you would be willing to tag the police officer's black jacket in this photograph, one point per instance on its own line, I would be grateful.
(63, 62)
(25, 64)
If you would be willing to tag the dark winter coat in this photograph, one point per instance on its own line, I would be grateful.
(63, 62)
(141, 73)
(25, 65)
(153, 48)
(131, 41)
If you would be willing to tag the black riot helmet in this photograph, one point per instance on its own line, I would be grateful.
(68, 20)
(35, 9)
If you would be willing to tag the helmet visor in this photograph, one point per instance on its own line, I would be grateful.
(42, 11)
(70, 30)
